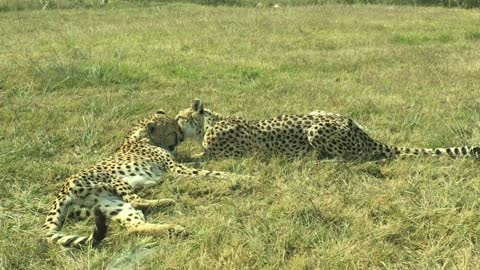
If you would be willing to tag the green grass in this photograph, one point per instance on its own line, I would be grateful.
(16, 5)
(71, 82)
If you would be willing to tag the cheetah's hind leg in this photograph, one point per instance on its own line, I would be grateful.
(79, 212)
(124, 190)
(120, 211)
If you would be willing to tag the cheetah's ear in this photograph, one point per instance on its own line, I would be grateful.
(160, 111)
(197, 106)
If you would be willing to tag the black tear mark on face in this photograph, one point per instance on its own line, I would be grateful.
(151, 128)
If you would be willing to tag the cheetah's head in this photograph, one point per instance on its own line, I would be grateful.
(163, 131)
(191, 120)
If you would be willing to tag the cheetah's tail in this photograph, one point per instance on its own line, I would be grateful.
(99, 233)
(101, 227)
(453, 152)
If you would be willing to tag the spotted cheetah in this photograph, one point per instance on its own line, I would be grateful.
(331, 135)
(107, 189)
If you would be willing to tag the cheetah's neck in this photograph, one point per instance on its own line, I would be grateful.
(137, 134)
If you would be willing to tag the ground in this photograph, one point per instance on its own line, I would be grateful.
(72, 80)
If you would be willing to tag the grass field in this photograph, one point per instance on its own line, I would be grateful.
(72, 81)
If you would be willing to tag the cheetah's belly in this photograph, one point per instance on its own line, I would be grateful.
(138, 181)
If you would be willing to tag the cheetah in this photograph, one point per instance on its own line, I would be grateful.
(106, 190)
(331, 135)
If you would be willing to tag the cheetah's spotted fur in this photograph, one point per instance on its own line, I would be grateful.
(107, 189)
(331, 135)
